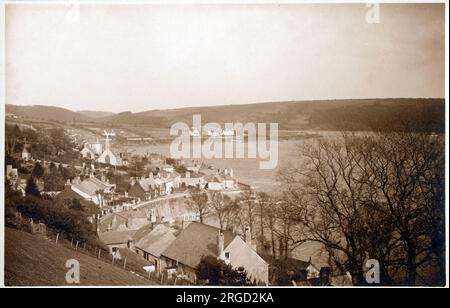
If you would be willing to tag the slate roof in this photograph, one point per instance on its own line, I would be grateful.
(68, 193)
(157, 240)
(194, 242)
(116, 237)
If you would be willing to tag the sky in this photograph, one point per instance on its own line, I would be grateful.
(144, 57)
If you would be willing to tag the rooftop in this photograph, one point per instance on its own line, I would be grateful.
(196, 241)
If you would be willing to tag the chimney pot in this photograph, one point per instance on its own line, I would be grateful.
(220, 243)
(248, 236)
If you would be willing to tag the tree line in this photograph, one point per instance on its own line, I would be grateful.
(377, 195)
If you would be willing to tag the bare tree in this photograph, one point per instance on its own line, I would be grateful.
(221, 206)
(374, 196)
(198, 202)
(245, 211)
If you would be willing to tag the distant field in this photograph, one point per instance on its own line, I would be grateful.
(34, 261)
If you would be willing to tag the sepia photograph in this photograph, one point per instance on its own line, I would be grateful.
(253, 145)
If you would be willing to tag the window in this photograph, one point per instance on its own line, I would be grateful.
(227, 255)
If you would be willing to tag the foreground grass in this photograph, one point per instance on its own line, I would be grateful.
(31, 260)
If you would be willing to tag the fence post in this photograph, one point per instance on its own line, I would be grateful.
(71, 243)
(99, 253)
(76, 248)
(57, 237)
(125, 262)
(113, 259)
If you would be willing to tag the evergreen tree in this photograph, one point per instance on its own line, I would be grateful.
(31, 188)
(38, 171)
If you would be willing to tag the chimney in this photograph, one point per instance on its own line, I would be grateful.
(68, 183)
(248, 236)
(220, 243)
(133, 181)
(231, 173)
(225, 171)
(150, 175)
(188, 174)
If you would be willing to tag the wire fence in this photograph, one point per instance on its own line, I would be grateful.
(128, 260)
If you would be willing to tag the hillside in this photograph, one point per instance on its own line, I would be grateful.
(95, 114)
(354, 115)
(359, 114)
(34, 261)
(46, 113)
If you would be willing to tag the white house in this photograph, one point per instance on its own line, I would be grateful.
(87, 152)
(26, 155)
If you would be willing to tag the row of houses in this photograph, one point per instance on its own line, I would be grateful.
(166, 182)
(178, 251)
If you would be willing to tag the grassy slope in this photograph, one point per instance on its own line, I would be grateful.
(34, 261)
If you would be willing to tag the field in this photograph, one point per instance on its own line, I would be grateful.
(35, 261)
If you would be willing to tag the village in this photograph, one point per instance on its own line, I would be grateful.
(169, 213)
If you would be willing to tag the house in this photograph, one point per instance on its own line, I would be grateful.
(26, 155)
(68, 195)
(141, 190)
(12, 174)
(198, 240)
(155, 185)
(15, 182)
(127, 220)
(87, 152)
(93, 189)
(146, 188)
(153, 243)
(193, 180)
(300, 271)
(115, 240)
(221, 180)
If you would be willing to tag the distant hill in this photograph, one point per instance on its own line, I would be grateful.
(96, 114)
(46, 113)
(358, 114)
(31, 260)
(355, 114)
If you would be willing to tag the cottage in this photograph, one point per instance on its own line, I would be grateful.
(127, 220)
(221, 180)
(26, 155)
(115, 240)
(199, 240)
(153, 243)
(93, 189)
(193, 180)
